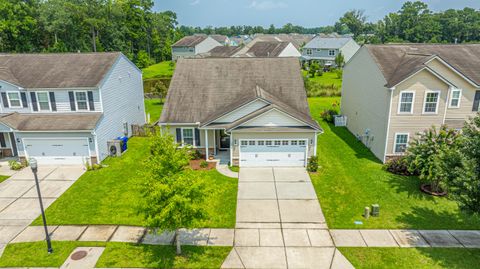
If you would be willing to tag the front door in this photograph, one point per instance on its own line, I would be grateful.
(224, 140)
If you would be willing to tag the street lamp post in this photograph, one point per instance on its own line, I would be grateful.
(34, 166)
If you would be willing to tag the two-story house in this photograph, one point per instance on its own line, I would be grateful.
(190, 46)
(63, 108)
(324, 49)
(392, 92)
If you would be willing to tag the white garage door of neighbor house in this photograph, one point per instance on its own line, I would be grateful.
(265, 153)
(57, 151)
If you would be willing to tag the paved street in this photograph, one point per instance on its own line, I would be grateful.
(19, 204)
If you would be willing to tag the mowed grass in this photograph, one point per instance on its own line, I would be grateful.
(160, 70)
(328, 78)
(407, 258)
(111, 195)
(115, 255)
(351, 178)
(3, 178)
(154, 107)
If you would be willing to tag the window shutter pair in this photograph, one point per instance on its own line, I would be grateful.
(197, 137)
(33, 96)
(23, 97)
(476, 101)
(91, 104)
(4, 99)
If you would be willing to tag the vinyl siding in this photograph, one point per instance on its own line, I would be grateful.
(274, 118)
(290, 51)
(206, 45)
(241, 111)
(122, 97)
(349, 50)
(182, 52)
(172, 131)
(365, 101)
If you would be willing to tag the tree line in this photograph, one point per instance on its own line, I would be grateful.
(146, 36)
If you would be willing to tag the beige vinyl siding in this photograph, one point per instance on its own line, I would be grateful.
(279, 135)
(365, 100)
(418, 121)
(274, 118)
(172, 131)
(468, 91)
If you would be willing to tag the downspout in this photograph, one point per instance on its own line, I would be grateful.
(388, 123)
(96, 146)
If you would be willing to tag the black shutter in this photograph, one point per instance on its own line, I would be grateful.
(476, 101)
(197, 137)
(33, 96)
(72, 101)
(24, 99)
(53, 104)
(4, 99)
(179, 135)
(2, 141)
(90, 100)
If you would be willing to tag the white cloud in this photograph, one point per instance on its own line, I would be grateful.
(195, 2)
(267, 5)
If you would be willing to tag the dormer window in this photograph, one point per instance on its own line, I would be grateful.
(14, 99)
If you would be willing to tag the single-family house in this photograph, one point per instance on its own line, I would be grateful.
(269, 49)
(63, 108)
(220, 52)
(297, 40)
(392, 92)
(190, 46)
(243, 111)
(222, 39)
(325, 49)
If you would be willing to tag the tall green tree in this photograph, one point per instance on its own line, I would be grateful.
(355, 21)
(19, 28)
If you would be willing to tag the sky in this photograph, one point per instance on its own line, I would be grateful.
(307, 13)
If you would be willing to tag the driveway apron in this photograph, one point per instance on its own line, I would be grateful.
(280, 223)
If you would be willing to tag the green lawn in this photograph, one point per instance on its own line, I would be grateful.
(115, 255)
(351, 178)
(154, 107)
(160, 70)
(418, 258)
(3, 178)
(110, 195)
(328, 78)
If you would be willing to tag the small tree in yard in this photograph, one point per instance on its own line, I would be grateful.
(313, 69)
(339, 60)
(160, 89)
(427, 155)
(172, 194)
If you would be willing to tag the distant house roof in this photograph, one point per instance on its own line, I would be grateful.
(51, 121)
(220, 38)
(398, 62)
(298, 40)
(190, 41)
(267, 49)
(204, 89)
(58, 70)
(319, 42)
(220, 52)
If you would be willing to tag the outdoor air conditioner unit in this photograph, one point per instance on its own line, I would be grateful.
(114, 148)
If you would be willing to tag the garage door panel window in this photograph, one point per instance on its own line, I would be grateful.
(268, 143)
(285, 142)
(251, 143)
(278, 142)
(293, 142)
(273, 152)
(302, 143)
(43, 101)
(261, 143)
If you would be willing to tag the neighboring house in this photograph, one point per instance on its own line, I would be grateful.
(190, 46)
(252, 111)
(240, 40)
(297, 40)
(63, 108)
(219, 52)
(392, 92)
(270, 49)
(222, 39)
(324, 49)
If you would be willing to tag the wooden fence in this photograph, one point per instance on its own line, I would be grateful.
(144, 130)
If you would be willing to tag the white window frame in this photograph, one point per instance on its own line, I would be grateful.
(19, 99)
(309, 51)
(193, 135)
(332, 54)
(38, 101)
(395, 142)
(76, 101)
(451, 98)
(400, 102)
(425, 102)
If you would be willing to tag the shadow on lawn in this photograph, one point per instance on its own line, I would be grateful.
(409, 185)
(429, 219)
(453, 257)
(361, 151)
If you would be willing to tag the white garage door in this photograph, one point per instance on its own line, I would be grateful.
(282, 152)
(57, 151)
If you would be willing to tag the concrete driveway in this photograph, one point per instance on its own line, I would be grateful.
(19, 204)
(280, 223)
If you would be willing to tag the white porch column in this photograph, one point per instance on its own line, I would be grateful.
(315, 145)
(214, 143)
(206, 144)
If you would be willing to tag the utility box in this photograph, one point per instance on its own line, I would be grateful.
(375, 210)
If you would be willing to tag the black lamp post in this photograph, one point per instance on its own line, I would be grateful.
(34, 166)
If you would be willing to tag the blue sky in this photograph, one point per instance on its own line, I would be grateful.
(308, 13)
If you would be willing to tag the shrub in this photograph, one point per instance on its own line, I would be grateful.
(328, 115)
(317, 89)
(196, 155)
(398, 166)
(339, 73)
(15, 165)
(312, 165)
(203, 164)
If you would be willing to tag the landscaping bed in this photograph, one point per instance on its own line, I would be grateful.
(197, 165)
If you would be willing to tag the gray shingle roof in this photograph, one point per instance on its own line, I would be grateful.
(58, 70)
(319, 42)
(399, 61)
(220, 52)
(202, 89)
(267, 49)
(51, 121)
(190, 41)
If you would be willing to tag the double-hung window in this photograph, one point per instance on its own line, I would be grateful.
(187, 136)
(309, 52)
(331, 52)
(431, 102)
(455, 96)
(406, 102)
(14, 99)
(81, 100)
(401, 143)
(43, 101)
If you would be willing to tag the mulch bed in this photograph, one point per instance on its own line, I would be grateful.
(427, 188)
(195, 165)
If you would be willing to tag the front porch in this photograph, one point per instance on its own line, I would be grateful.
(8, 146)
(218, 147)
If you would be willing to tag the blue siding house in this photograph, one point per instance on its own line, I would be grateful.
(324, 49)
